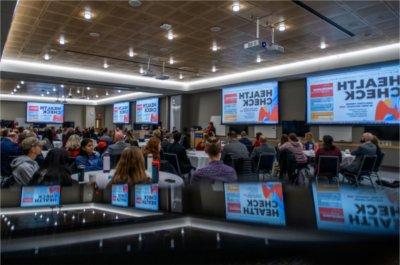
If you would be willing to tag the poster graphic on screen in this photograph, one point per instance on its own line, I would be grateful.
(255, 202)
(147, 111)
(356, 209)
(44, 112)
(363, 96)
(254, 103)
(120, 195)
(34, 196)
(121, 112)
(146, 196)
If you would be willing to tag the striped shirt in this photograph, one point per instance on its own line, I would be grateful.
(215, 171)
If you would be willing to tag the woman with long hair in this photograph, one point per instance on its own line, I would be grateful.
(153, 147)
(130, 168)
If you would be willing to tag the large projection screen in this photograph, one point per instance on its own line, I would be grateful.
(147, 111)
(44, 112)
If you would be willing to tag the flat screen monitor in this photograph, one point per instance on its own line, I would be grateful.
(147, 111)
(121, 112)
(36, 196)
(255, 202)
(44, 112)
(120, 195)
(251, 103)
(367, 95)
(361, 209)
(146, 197)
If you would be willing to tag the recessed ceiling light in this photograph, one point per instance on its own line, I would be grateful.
(322, 45)
(131, 53)
(15, 90)
(119, 91)
(213, 69)
(141, 70)
(97, 96)
(214, 47)
(94, 34)
(78, 91)
(163, 49)
(62, 96)
(18, 86)
(258, 60)
(12, 93)
(236, 7)
(171, 60)
(88, 88)
(180, 76)
(22, 82)
(282, 27)
(107, 93)
(87, 14)
(170, 35)
(134, 3)
(62, 86)
(87, 97)
(47, 92)
(215, 29)
(54, 89)
(105, 65)
(42, 95)
(46, 56)
(61, 40)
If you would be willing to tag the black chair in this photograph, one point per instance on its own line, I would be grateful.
(365, 171)
(327, 166)
(377, 166)
(228, 160)
(245, 172)
(249, 148)
(265, 164)
(173, 160)
(72, 164)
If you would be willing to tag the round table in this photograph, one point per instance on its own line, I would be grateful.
(102, 179)
(347, 158)
(198, 159)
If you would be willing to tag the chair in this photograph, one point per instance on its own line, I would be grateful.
(378, 164)
(228, 160)
(245, 173)
(173, 160)
(265, 164)
(366, 168)
(327, 166)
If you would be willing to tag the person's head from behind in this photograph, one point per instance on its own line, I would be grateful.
(232, 135)
(309, 137)
(293, 137)
(213, 148)
(86, 147)
(375, 140)
(243, 134)
(134, 143)
(73, 142)
(130, 168)
(4, 133)
(258, 135)
(367, 137)
(153, 147)
(177, 137)
(56, 166)
(327, 142)
(48, 134)
(25, 134)
(31, 147)
(263, 139)
(284, 138)
(118, 136)
(157, 133)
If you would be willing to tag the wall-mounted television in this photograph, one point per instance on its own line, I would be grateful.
(251, 103)
(147, 111)
(361, 95)
(44, 112)
(121, 112)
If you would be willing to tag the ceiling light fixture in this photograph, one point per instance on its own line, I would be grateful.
(22, 82)
(236, 7)
(141, 70)
(97, 96)
(322, 45)
(131, 53)
(70, 92)
(105, 64)
(87, 14)
(214, 47)
(171, 60)
(54, 89)
(47, 92)
(62, 86)
(94, 34)
(170, 35)
(282, 27)
(258, 60)
(18, 86)
(15, 90)
(180, 76)
(119, 91)
(87, 97)
(12, 93)
(61, 40)
(46, 56)
(107, 93)
(42, 95)
(78, 91)
(213, 69)
(88, 88)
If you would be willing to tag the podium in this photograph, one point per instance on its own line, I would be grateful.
(196, 137)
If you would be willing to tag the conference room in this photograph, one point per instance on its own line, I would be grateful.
(199, 132)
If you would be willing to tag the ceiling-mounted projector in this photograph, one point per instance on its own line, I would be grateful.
(134, 3)
(148, 71)
(260, 45)
(162, 76)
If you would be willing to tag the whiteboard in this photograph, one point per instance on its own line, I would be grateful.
(267, 130)
(339, 133)
(219, 128)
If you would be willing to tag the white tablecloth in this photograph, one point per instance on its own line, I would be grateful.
(57, 144)
(346, 158)
(165, 179)
(198, 159)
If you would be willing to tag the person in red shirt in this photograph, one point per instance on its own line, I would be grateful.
(257, 142)
(327, 149)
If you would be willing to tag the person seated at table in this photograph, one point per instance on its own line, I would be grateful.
(310, 143)
(9, 150)
(105, 137)
(294, 146)
(327, 149)
(366, 148)
(246, 141)
(87, 157)
(166, 142)
(216, 170)
(24, 166)
(73, 145)
(257, 141)
(118, 146)
(48, 138)
(263, 148)
(184, 141)
(284, 139)
(55, 169)
(180, 151)
(201, 145)
(134, 143)
(130, 168)
(375, 141)
(234, 147)
(153, 147)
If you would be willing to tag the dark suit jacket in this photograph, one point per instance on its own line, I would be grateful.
(184, 162)
(362, 150)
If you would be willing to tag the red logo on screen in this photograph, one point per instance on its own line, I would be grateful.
(234, 207)
(29, 199)
(139, 107)
(154, 188)
(126, 118)
(125, 188)
(154, 118)
(33, 108)
(230, 98)
(331, 214)
(57, 118)
(322, 90)
(53, 189)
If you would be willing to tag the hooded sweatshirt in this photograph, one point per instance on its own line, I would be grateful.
(297, 149)
(23, 168)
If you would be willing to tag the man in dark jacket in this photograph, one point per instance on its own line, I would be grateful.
(179, 150)
(9, 150)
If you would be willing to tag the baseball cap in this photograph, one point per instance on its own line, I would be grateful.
(30, 142)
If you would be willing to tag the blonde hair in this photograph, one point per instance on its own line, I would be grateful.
(73, 142)
(130, 168)
(309, 137)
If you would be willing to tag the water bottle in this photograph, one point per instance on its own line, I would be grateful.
(149, 163)
(106, 162)
(155, 171)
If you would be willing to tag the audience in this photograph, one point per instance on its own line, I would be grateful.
(9, 150)
(73, 145)
(119, 145)
(246, 141)
(87, 158)
(130, 168)
(284, 139)
(180, 151)
(263, 148)
(153, 147)
(216, 170)
(25, 166)
(310, 143)
(201, 145)
(55, 169)
(234, 147)
(48, 139)
(257, 142)
(327, 149)
(166, 142)
(294, 146)
(105, 137)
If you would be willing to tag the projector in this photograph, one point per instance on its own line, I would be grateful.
(134, 3)
(275, 48)
(162, 77)
(260, 45)
(148, 73)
